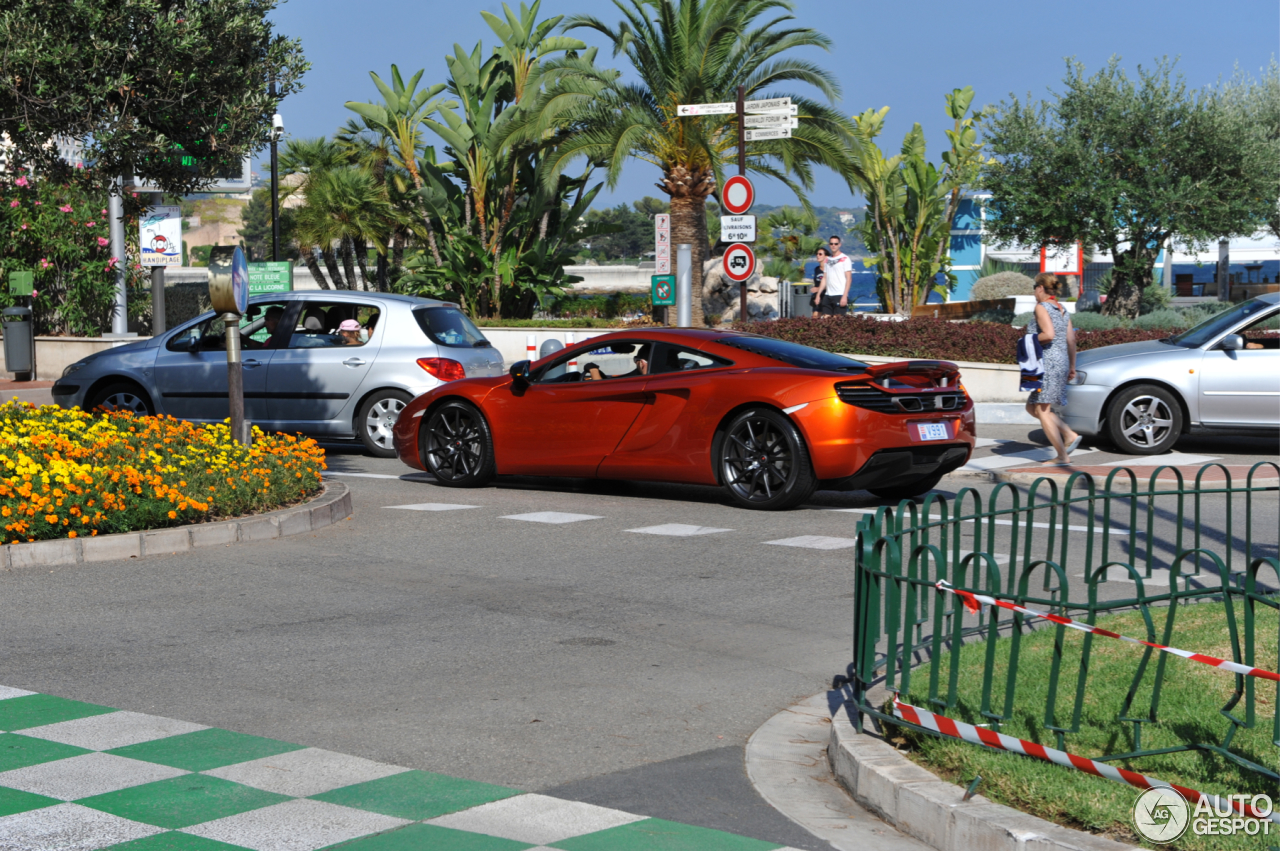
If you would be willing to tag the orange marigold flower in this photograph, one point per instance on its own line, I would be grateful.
(173, 515)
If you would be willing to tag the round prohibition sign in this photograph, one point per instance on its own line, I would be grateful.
(737, 195)
(739, 262)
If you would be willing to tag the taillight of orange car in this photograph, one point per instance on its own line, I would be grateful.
(443, 368)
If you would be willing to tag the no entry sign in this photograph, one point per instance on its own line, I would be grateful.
(739, 262)
(738, 195)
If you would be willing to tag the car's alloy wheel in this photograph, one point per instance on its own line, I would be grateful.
(377, 421)
(123, 397)
(764, 462)
(1145, 420)
(457, 447)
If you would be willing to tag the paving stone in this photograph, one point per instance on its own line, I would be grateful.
(417, 795)
(112, 730)
(37, 710)
(306, 772)
(205, 749)
(166, 541)
(212, 534)
(111, 547)
(991, 827)
(259, 529)
(68, 827)
(297, 825)
(84, 776)
(537, 819)
(44, 553)
(183, 801)
(294, 522)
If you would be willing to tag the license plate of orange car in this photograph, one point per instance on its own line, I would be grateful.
(933, 431)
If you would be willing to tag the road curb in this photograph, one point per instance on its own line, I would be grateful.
(332, 505)
(925, 807)
(996, 477)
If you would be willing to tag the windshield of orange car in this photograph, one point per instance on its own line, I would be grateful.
(793, 354)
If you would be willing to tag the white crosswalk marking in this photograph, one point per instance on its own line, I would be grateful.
(1171, 458)
(433, 506)
(552, 517)
(815, 542)
(360, 475)
(679, 530)
(1025, 458)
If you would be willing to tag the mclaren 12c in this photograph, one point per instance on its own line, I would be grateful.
(768, 420)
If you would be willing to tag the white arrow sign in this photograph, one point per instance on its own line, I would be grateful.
(784, 110)
(707, 109)
(770, 121)
(770, 133)
(763, 105)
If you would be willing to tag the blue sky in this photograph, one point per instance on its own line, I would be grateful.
(901, 55)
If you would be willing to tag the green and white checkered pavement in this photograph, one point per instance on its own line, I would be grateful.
(75, 776)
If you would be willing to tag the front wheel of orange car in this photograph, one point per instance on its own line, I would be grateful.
(764, 463)
(457, 446)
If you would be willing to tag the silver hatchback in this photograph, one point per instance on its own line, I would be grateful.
(330, 364)
(1222, 375)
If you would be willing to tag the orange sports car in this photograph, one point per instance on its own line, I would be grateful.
(770, 421)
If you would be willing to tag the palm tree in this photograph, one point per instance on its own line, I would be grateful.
(687, 52)
(345, 206)
(309, 159)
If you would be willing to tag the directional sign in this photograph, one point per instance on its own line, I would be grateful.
(270, 277)
(767, 133)
(737, 228)
(763, 105)
(662, 290)
(737, 195)
(782, 110)
(739, 262)
(771, 120)
(707, 109)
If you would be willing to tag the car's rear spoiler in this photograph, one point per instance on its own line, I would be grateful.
(942, 372)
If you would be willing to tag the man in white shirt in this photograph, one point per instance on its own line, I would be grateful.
(836, 281)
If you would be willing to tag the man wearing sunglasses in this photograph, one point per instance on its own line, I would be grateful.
(837, 280)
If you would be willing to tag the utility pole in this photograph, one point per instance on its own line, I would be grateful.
(115, 229)
(157, 284)
(742, 169)
(277, 125)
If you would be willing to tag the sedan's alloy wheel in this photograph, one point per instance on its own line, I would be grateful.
(454, 444)
(380, 421)
(124, 401)
(1146, 421)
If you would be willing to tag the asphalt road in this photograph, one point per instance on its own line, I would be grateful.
(583, 658)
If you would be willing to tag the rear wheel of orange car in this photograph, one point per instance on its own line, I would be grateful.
(763, 461)
(457, 447)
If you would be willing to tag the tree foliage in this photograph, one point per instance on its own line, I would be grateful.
(1128, 164)
(688, 52)
(911, 203)
(133, 80)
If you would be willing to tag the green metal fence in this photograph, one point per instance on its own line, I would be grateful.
(1081, 550)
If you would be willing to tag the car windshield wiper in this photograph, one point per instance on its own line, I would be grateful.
(481, 344)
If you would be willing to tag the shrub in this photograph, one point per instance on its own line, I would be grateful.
(70, 473)
(1096, 322)
(927, 338)
(1167, 319)
(1002, 285)
(1154, 297)
(1022, 320)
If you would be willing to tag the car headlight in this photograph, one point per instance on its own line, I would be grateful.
(74, 367)
(1079, 379)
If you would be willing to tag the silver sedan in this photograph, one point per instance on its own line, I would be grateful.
(337, 365)
(1223, 375)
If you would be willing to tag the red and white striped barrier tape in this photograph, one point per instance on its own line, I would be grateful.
(980, 736)
(973, 602)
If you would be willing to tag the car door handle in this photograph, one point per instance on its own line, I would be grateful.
(353, 362)
(251, 363)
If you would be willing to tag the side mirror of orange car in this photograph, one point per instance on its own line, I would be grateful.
(520, 371)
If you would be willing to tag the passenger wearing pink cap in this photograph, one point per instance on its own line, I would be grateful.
(349, 331)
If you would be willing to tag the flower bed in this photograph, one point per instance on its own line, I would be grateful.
(981, 342)
(69, 473)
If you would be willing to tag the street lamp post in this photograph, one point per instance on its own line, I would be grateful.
(277, 130)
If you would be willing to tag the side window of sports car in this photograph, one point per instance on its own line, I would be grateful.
(675, 359)
(614, 360)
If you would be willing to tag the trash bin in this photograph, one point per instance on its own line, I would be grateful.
(19, 342)
(800, 296)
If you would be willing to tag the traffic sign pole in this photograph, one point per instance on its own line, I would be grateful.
(742, 170)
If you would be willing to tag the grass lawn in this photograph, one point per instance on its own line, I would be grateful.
(1190, 704)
